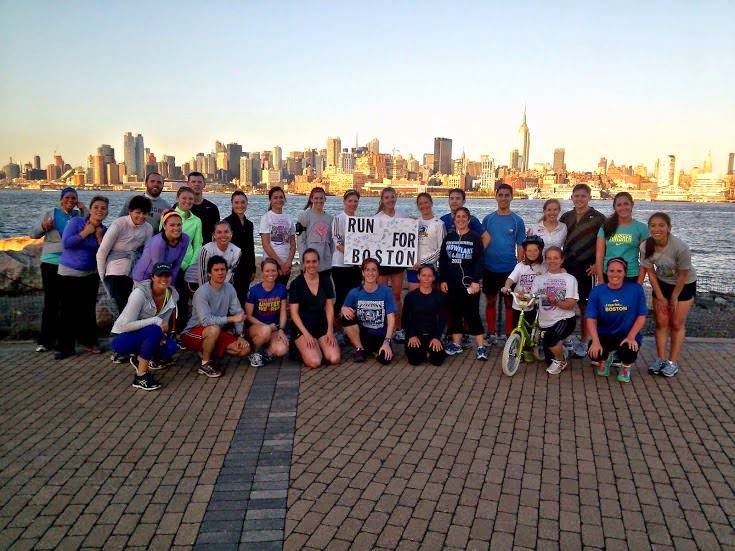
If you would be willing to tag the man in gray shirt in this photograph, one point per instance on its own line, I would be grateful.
(153, 189)
(216, 324)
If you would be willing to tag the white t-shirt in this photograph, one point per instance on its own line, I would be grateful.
(339, 229)
(555, 237)
(280, 227)
(563, 286)
(523, 276)
(431, 236)
(399, 213)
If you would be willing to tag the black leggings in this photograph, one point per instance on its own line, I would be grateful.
(51, 305)
(345, 279)
(555, 334)
(463, 308)
(611, 343)
(78, 311)
(119, 287)
(417, 356)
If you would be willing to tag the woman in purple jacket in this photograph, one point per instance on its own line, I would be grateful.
(79, 280)
(169, 246)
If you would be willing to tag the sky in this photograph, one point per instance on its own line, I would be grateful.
(631, 81)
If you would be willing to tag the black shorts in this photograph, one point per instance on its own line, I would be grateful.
(559, 331)
(687, 293)
(584, 286)
(493, 281)
(390, 270)
(317, 329)
(371, 342)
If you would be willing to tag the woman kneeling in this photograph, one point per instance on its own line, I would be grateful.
(369, 316)
(616, 313)
(311, 303)
(266, 311)
(424, 319)
(143, 326)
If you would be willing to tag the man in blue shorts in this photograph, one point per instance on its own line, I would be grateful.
(504, 232)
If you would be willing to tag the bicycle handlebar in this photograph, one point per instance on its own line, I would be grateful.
(529, 300)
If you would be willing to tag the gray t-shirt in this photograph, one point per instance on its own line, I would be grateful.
(212, 306)
(668, 261)
(317, 234)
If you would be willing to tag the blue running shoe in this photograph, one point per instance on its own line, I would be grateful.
(657, 366)
(670, 369)
(482, 353)
(452, 349)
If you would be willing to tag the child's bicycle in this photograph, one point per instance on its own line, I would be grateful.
(524, 342)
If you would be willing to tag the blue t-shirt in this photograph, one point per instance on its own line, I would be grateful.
(371, 309)
(475, 224)
(506, 231)
(616, 309)
(267, 304)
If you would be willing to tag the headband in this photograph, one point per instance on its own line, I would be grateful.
(168, 215)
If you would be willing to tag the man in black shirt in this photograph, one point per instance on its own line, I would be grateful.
(583, 223)
(204, 209)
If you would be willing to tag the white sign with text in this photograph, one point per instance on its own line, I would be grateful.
(390, 241)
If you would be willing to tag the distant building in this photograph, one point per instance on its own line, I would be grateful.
(51, 174)
(515, 160)
(37, 162)
(246, 172)
(113, 174)
(346, 162)
(271, 177)
(277, 157)
(487, 173)
(525, 143)
(139, 157)
(334, 147)
(559, 165)
(602, 166)
(100, 174)
(234, 152)
(708, 187)
(708, 162)
(11, 170)
(731, 163)
(373, 146)
(442, 156)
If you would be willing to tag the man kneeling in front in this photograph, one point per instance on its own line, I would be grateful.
(215, 327)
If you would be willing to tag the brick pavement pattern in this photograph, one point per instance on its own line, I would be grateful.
(458, 456)
(87, 461)
(462, 456)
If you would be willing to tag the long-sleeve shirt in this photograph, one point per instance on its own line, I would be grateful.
(431, 237)
(423, 314)
(579, 244)
(461, 259)
(157, 250)
(316, 233)
(141, 309)
(80, 253)
(122, 242)
(212, 306)
(197, 273)
(208, 213)
(242, 236)
(192, 226)
(52, 246)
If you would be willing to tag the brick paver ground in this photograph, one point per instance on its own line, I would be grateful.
(381, 457)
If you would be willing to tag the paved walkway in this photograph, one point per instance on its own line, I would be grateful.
(366, 456)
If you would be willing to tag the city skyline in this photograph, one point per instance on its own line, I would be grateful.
(598, 83)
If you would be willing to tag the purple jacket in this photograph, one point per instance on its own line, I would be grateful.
(79, 254)
(158, 250)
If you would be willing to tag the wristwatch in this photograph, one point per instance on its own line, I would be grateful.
(387, 339)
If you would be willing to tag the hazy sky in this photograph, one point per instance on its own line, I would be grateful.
(627, 80)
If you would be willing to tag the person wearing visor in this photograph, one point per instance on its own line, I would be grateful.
(616, 313)
(142, 330)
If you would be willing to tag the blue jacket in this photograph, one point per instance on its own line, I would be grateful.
(79, 254)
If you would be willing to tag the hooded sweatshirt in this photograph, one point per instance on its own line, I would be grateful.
(141, 310)
(460, 261)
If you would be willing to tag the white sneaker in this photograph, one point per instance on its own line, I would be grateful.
(580, 349)
(256, 359)
(556, 367)
(41, 348)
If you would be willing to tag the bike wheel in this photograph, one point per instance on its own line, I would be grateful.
(511, 357)
(538, 350)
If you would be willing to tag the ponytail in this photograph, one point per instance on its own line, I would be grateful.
(314, 190)
(650, 247)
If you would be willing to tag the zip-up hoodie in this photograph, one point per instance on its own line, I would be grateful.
(141, 309)
(156, 250)
(460, 261)
(52, 246)
(192, 226)
(79, 253)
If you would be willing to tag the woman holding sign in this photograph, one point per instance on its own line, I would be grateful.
(387, 209)
(460, 271)
(345, 276)
(369, 316)
(431, 236)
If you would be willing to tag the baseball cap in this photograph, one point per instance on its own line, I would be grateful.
(161, 268)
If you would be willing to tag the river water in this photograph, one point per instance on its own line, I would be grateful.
(708, 228)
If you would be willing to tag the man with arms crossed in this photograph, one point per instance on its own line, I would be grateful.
(215, 327)
(583, 223)
(203, 208)
(153, 189)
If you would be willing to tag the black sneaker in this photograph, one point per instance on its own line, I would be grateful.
(359, 355)
(209, 370)
(146, 382)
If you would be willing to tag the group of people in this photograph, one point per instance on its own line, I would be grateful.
(180, 276)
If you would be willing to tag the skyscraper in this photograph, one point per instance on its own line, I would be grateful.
(277, 157)
(234, 152)
(525, 143)
(559, 166)
(442, 156)
(37, 161)
(487, 173)
(731, 163)
(100, 174)
(334, 147)
(515, 163)
(374, 146)
(708, 162)
(139, 158)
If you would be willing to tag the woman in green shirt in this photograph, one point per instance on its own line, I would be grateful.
(620, 236)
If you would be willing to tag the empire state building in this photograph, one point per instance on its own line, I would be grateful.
(525, 143)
